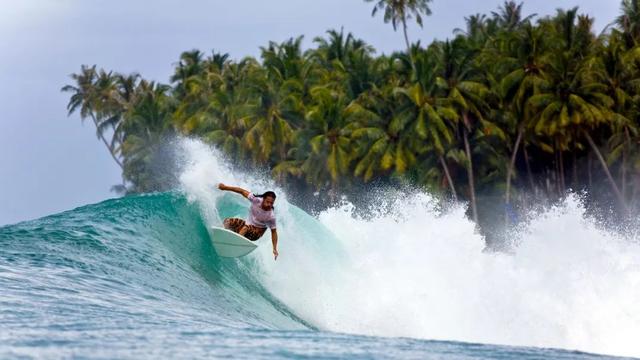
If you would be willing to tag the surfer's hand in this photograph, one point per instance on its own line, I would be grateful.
(221, 186)
(275, 254)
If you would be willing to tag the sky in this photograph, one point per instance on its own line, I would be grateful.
(50, 162)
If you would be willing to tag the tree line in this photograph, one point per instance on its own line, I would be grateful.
(511, 104)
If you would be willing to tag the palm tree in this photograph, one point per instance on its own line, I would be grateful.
(283, 61)
(476, 31)
(328, 135)
(618, 70)
(570, 105)
(335, 47)
(467, 96)
(195, 94)
(89, 98)
(226, 117)
(146, 125)
(217, 61)
(398, 12)
(432, 114)
(509, 16)
(346, 54)
(278, 88)
(190, 64)
(381, 135)
(123, 97)
(629, 22)
(574, 32)
(525, 62)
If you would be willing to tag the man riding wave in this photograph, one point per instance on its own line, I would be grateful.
(261, 216)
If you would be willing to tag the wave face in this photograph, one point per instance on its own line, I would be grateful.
(138, 277)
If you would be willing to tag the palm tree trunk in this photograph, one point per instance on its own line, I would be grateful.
(612, 182)
(589, 166)
(112, 153)
(452, 187)
(406, 39)
(472, 190)
(557, 175)
(623, 174)
(574, 164)
(106, 143)
(512, 163)
(563, 186)
(529, 173)
(625, 155)
(634, 192)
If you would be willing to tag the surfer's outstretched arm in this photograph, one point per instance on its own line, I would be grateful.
(274, 240)
(237, 190)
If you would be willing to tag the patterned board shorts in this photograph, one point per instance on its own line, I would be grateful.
(253, 232)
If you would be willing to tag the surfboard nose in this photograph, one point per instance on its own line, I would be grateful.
(229, 244)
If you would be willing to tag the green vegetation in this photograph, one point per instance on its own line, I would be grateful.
(510, 105)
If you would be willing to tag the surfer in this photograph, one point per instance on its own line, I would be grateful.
(260, 217)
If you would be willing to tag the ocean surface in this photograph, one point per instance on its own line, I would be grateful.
(137, 277)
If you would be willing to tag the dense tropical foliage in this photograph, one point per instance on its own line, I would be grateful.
(511, 105)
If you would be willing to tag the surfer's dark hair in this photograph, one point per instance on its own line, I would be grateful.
(266, 194)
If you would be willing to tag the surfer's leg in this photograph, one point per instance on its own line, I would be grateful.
(234, 224)
(252, 232)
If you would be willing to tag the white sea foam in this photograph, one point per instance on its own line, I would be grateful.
(202, 168)
(420, 271)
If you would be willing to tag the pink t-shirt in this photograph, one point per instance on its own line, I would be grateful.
(259, 217)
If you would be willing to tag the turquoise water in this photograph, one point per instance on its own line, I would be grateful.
(137, 277)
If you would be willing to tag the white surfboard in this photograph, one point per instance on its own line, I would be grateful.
(229, 244)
